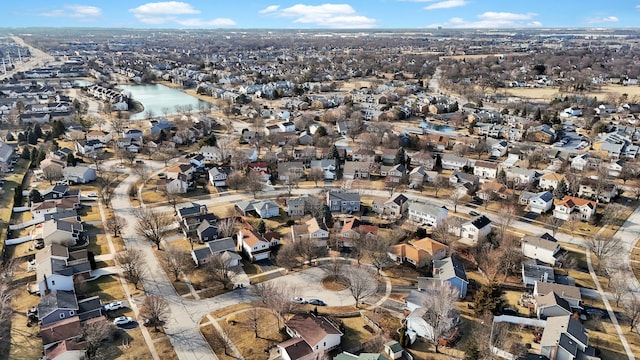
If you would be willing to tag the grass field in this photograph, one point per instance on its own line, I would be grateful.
(548, 93)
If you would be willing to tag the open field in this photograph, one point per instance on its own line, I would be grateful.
(548, 93)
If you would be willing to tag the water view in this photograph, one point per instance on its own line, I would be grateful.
(159, 98)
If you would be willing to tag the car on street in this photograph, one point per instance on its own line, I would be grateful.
(115, 305)
(474, 213)
(122, 320)
(299, 300)
(317, 302)
(92, 195)
(120, 166)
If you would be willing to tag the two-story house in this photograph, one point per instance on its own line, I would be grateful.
(541, 202)
(550, 181)
(567, 205)
(218, 176)
(427, 213)
(311, 337)
(254, 245)
(343, 201)
(395, 206)
(225, 246)
(485, 169)
(312, 230)
(539, 248)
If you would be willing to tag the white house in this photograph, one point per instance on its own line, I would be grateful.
(312, 230)
(255, 246)
(453, 162)
(550, 181)
(311, 337)
(427, 213)
(585, 208)
(539, 248)
(485, 169)
(265, 209)
(541, 202)
(211, 153)
(80, 174)
(475, 229)
(218, 177)
(225, 246)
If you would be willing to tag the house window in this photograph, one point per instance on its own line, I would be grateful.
(71, 313)
(62, 316)
(53, 282)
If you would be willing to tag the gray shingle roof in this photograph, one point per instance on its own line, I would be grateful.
(449, 268)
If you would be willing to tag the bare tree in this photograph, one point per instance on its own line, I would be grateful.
(94, 333)
(632, 311)
(152, 225)
(226, 227)
(253, 183)
(361, 283)
(438, 183)
(155, 310)
(454, 199)
(287, 256)
(334, 268)
(604, 246)
(315, 174)
(441, 233)
(218, 269)
(277, 297)
(506, 216)
(175, 260)
(439, 310)
(133, 265)
(614, 214)
(115, 224)
(573, 224)
(618, 284)
(254, 320)
(235, 180)
(221, 338)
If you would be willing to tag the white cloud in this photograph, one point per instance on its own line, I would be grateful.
(170, 12)
(606, 19)
(491, 19)
(80, 12)
(219, 22)
(447, 4)
(164, 8)
(325, 15)
(269, 9)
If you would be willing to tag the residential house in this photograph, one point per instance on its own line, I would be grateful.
(541, 133)
(418, 253)
(56, 305)
(102, 136)
(343, 201)
(461, 178)
(358, 170)
(328, 167)
(218, 177)
(190, 216)
(567, 205)
(584, 162)
(395, 173)
(473, 230)
(452, 270)
(88, 148)
(539, 248)
(550, 181)
(211, 153)
(65, 329)
(225, 246)
(494, 189)
(311, 337)
(417, 323)
(6, 154)
(313, 230)
(533, 270)
(352, 229)
(80, 174)
(178, 169)
(207, 231)
(363, 155)
(264, 209)
(418, 177)
(393, 350)
(90, 308)
(424, 159)
(39, 210)
(179, 185)
(551, 305)
(570, 293)
(198, 161)
(541, 202)
(589, 189)
(395, 206)
(254, 245)
(56, 267)
(59, 191)
(296, 206)
(427, 213)
(565, 338)
(362, 356)
(52, 168)
(66, 350)
(289, 169)
(499, 149)
(522, 176)
(453, 162)
(63, 232)
(485, 169)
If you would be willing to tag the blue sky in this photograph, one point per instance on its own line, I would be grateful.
(321, 14)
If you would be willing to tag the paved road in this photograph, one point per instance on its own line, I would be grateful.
(38, 58)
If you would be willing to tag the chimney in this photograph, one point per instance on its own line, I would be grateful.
(203, 209)
(46, 286)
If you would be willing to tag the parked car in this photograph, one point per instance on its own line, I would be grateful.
(92, 195)
(299, 300)
(317, 302)
(474, 213)
(115, 305)
(122, 320)
(38, 244)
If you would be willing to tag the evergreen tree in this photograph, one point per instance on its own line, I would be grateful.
(561, 190)
(32, 138)
(34, 156)
(538, 115)
(17, 196)
(10, 137)
(22, 137)
(488, 299)
(41, 156)
(58, 129)
(35, 196)
(327, 218)
(502, 176)
(438, 164)
(333, 152)
(26, 154)
(71, 160)
(37, 130)
(400, 158)
(471, 349)
(262, 227)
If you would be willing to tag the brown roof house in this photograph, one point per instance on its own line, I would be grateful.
(418, 253)
(311, 337)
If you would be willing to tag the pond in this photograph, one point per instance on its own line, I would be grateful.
(437, 127)
(158, 98)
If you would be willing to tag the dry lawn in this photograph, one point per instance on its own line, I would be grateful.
(603, 336)
(25, 341)
(241, 331)
(354, 333)
(107, 287)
